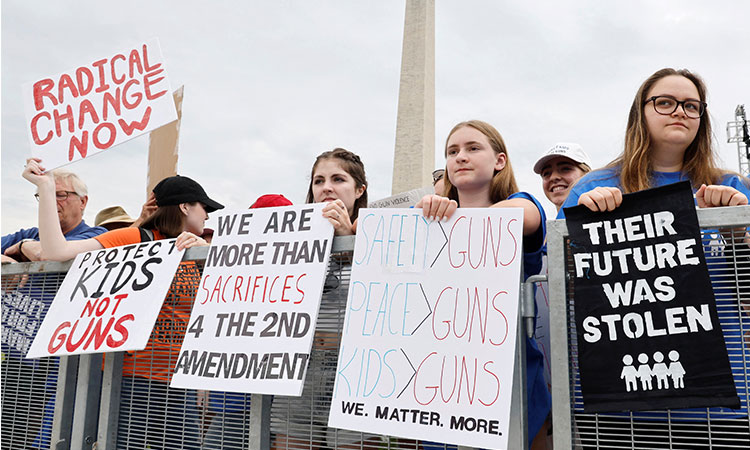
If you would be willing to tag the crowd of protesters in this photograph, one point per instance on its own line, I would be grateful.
(668, 139)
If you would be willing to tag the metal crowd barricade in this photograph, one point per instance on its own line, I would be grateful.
(670, 429)
(109, 402)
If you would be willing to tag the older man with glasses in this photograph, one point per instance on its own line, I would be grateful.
(72, 197)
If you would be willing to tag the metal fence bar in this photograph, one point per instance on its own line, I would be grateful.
(109, 407)
(558, 311)
(260, 422)
(87, 402)
(63, 413)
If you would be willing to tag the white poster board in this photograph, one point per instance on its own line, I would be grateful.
(428, 343)
(253, 320)
(97, 105)
(108, 301)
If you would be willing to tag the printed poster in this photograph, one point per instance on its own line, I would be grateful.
(648, 331)
(253, 320)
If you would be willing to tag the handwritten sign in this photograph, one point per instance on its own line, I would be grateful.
(253, 320)
(108, 301)
(428, 343)
(93, 107)
(648, 331)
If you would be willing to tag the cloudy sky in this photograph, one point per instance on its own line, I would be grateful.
(269, 85)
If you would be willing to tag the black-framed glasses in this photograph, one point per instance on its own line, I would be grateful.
(666, 105)
(60, 196)
(437, 175)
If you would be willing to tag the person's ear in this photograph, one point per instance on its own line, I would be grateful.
(359, 191)
(184, 208)
(84, 202)
(501, 159)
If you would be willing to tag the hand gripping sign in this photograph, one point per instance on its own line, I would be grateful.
(428, 343)
(108, 301)
(93, 107)
(253, 320)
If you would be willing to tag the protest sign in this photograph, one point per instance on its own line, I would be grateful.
(97, 105)
(428, 342)
(253, 320)
(21, 318)
(648, 332)
(108, 301)
(402, 200)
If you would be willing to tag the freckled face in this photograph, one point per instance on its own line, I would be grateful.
(558, 175)
(331, 182)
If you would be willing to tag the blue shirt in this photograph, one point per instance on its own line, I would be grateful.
(609, 178)
(80, 232)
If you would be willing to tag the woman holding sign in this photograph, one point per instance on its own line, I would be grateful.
(668, 139)
(479, 175)
(338, 179)
(164, 418)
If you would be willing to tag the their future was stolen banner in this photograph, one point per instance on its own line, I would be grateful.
(253, 320)
(428, 343)
(108, 301)
(648, 331)
(97, 105)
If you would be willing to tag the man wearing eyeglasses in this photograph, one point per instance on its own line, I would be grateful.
(72, 197)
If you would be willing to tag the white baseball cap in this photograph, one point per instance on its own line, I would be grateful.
(568, 150)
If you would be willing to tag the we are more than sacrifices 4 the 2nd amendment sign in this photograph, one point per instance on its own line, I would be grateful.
(253, 320)
(428, 342)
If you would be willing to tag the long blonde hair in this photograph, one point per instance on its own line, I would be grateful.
(503, 181)
(699, 160)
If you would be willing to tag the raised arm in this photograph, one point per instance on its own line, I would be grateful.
(54, 245)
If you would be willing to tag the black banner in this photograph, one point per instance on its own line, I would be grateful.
(648, 332)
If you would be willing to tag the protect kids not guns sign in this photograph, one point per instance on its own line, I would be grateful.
(648, 331)
(253, 320)
(428, 342)
(108, 301)
(97, 105)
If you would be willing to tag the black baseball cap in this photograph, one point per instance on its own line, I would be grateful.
(178, 189)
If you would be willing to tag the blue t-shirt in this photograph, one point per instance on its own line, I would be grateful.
(80, 232)
(726, 303)
(609, 178)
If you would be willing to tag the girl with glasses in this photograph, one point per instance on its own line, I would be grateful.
(667, 139)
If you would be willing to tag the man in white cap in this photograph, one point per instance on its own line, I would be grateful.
(560, 167)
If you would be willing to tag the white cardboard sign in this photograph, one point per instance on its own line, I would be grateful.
(97, 105)
(108, 301)
(253, 320)
(428, 343)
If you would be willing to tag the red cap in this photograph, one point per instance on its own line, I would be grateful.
(271, 200)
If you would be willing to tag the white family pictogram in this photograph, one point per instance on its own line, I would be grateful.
(646, 374)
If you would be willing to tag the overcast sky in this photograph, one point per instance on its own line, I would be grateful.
(270, 85)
